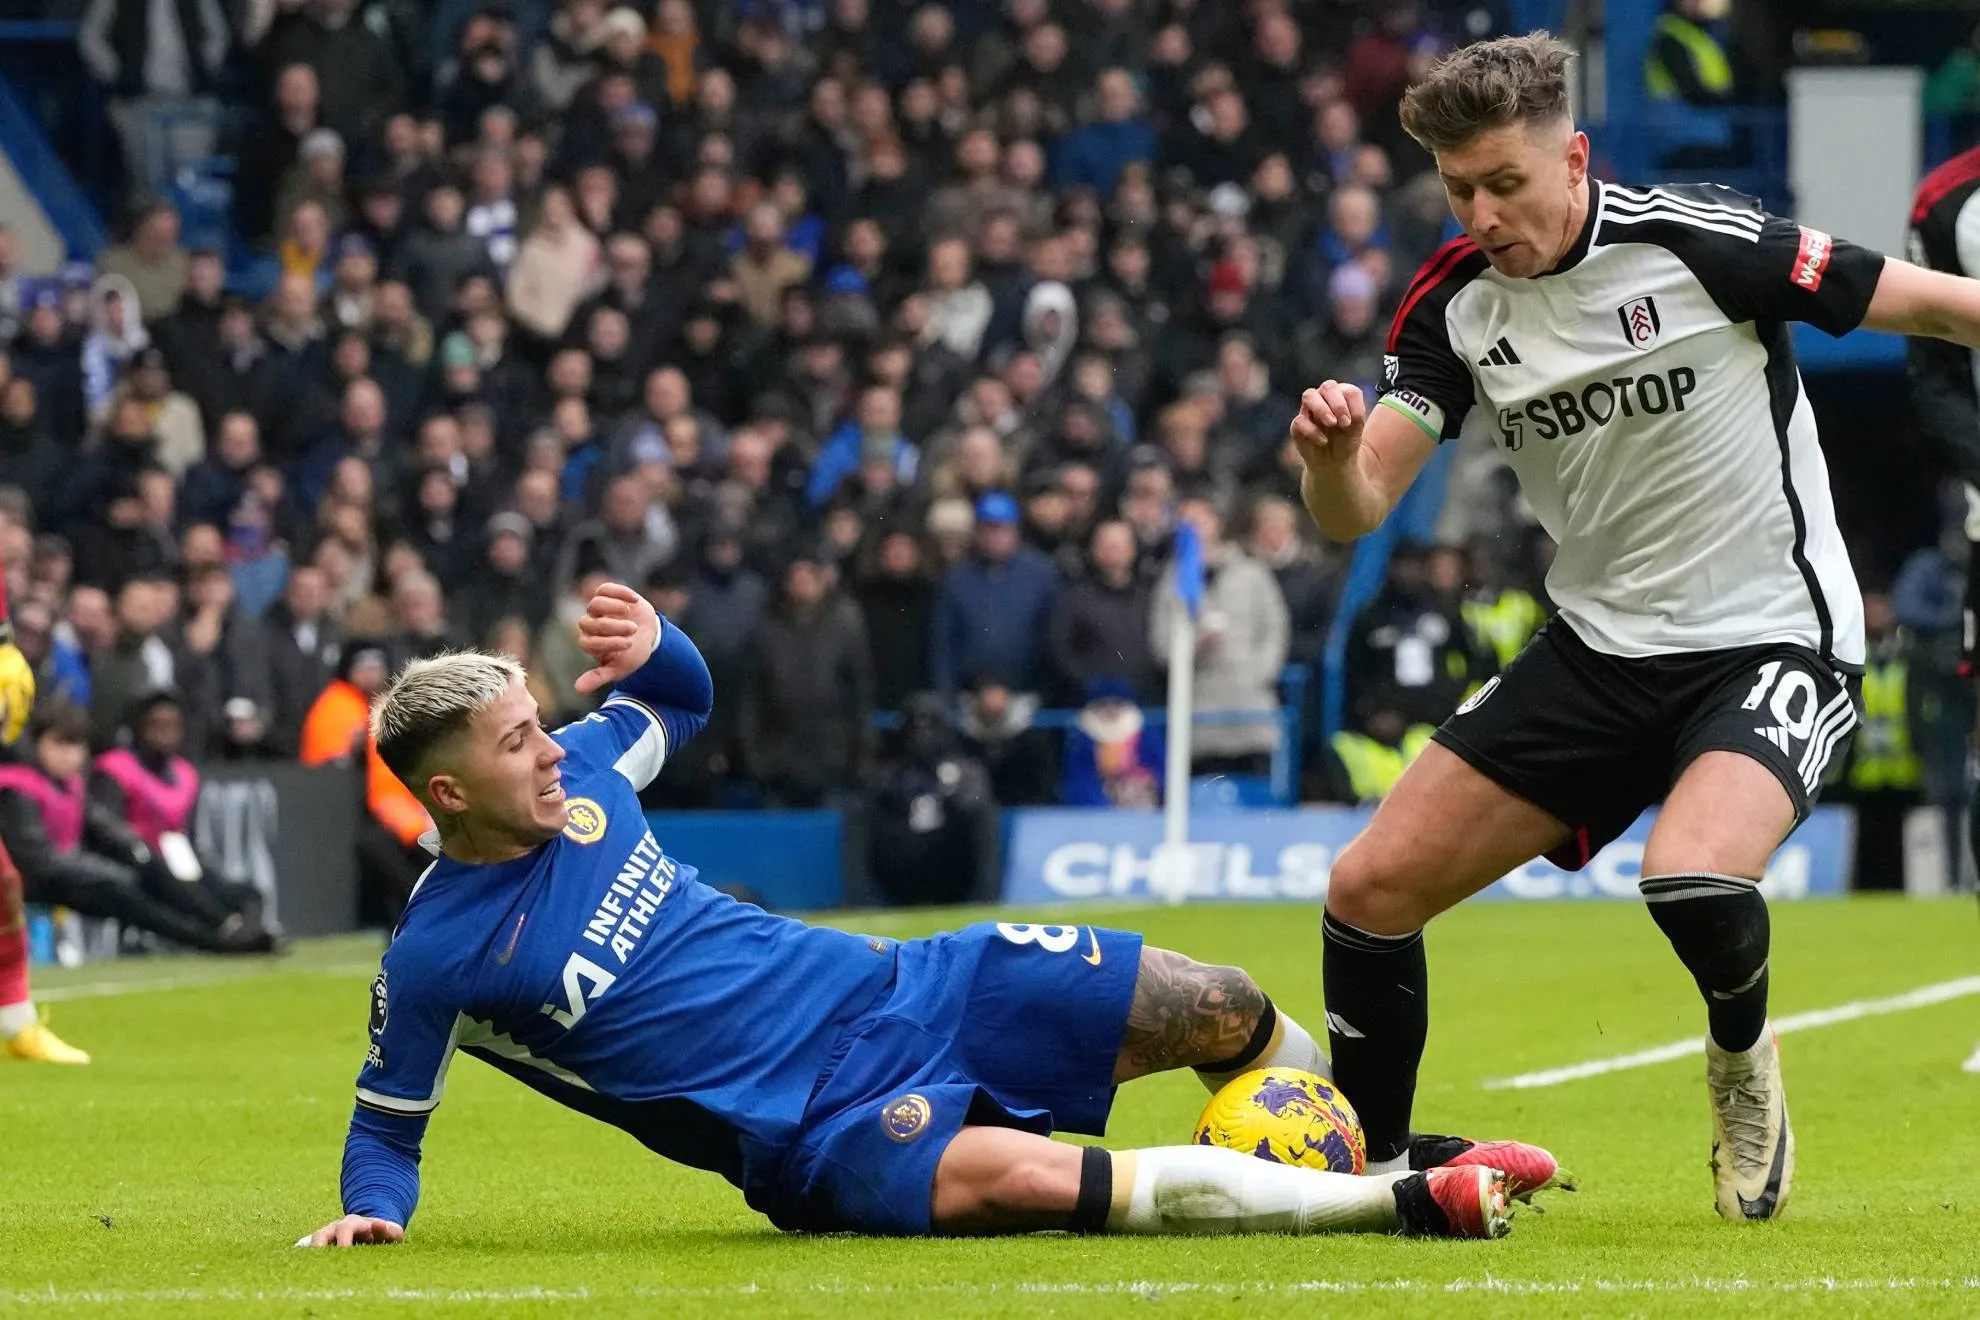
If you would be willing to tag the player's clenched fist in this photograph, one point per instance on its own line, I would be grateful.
(16, 692)
(619, 630)
(1327, 431)
(356, 1231)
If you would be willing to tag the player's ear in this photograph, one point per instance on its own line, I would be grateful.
(444, 792)
(1577, 158)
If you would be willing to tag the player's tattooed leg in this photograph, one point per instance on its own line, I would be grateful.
(1186, 1013)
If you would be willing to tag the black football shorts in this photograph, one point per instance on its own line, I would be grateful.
(1593, 739)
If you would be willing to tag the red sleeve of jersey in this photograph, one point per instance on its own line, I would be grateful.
(1434, 272)
(1422, 373)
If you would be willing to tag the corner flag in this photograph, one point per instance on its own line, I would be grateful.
(1189, 569)
(1173, 868)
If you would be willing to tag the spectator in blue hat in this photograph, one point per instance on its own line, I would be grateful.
(993, 607)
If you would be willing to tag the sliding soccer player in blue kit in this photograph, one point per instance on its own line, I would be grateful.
(843, 1083)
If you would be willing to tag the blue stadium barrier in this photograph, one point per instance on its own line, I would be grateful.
(1533, 15)
(790, 860)
(1062, 855)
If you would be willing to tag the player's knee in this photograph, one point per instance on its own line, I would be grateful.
(1372, 895)
(1236, 994)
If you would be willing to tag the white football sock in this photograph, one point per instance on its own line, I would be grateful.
(1400, 1164)
(1209, 1190)
(1291, 1046)
(16, 1018)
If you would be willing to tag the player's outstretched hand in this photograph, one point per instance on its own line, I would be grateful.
(356, 1231)
(618, 631)
(1327, 431)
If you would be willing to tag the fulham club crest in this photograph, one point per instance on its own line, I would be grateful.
(1640, 322)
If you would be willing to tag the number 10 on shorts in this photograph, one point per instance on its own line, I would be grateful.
(1796, 723)
(1800, 716)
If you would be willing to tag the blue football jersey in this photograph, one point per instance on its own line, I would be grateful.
(601, 972)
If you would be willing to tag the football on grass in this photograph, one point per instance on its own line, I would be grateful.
(1286, 1116)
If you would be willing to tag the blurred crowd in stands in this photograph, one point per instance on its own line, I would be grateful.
(883, 344)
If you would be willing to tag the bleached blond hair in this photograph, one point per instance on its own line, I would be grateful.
(433, 699)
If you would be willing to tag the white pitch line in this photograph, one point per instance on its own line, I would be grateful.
(1144, 1289)
(106, 989)
(1922, 997)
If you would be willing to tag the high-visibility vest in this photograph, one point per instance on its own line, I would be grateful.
(1707, 56)
(1883, 757)
(336, 721)
(1374, 767)
(1506, 623)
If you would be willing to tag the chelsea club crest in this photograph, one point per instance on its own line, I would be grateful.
(586, 823)
(905, 1118)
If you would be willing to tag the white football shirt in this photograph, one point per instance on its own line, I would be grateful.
(1645, 393)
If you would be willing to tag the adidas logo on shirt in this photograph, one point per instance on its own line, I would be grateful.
(1502, 355)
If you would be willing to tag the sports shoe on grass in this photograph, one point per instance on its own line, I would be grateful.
(1752, 1142)
(36, 1043)
(1465, 1202)
(1528, 1169)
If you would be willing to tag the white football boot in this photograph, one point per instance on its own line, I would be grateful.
(1752, 1144)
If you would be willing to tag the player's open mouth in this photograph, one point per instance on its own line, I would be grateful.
(554, 793)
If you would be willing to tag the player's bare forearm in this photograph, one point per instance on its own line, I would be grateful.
(1342, 502)
(1186, 1014)
(1359, 459)
(1911, 300)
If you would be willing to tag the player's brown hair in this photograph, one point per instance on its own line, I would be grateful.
(1487, 85)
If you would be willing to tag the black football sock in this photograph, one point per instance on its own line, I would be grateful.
(1378, 1015)
(1096, 1191)
(1718, 925)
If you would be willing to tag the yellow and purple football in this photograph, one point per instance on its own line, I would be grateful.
(1286, 1116)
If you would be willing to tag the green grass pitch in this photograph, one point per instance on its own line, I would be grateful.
(172, 1176)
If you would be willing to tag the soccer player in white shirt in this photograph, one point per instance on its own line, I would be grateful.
(1632, 347)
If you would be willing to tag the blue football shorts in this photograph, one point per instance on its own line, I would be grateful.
(1012, 1025)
